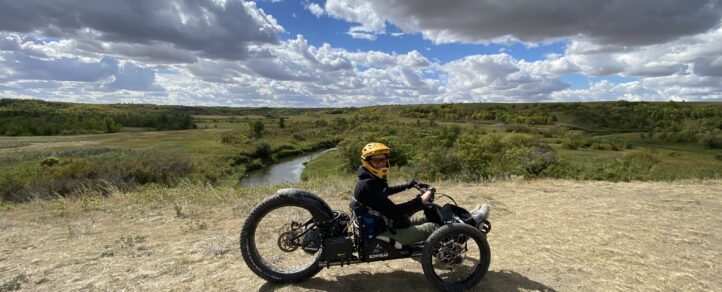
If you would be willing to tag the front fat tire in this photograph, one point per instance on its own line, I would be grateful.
(248, 231)
(449, 230)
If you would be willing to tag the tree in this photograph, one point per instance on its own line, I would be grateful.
(262, 149)
(281, 122)
(256, 128)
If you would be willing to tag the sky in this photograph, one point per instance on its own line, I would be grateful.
(341, 53)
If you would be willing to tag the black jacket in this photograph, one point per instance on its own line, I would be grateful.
(373, 192)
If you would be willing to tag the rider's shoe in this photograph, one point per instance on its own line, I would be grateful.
(476, 209)
(480, 213)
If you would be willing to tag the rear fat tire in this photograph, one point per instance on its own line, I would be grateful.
(449, 230)
(250, 254)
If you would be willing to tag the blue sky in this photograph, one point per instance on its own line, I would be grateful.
(296, 19)
(356, 53)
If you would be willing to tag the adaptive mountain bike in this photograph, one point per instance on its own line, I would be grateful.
(292, 235)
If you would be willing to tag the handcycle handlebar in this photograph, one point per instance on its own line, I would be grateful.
(423, 188)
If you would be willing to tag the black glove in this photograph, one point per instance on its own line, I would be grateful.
(412, 183)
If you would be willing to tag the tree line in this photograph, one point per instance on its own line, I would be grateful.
(33, 117)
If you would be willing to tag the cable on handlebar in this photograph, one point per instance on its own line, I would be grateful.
(445, 195)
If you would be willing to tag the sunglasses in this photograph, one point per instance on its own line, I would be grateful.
(379, 160)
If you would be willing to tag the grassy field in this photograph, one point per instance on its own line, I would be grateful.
(221, 151)
(615, 141)
(328, 164)
(548, 235)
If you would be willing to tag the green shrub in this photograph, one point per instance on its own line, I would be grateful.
(616, 170)
(713, 139)
(262, 149)
(634, 165)
(476, 156)
(233, 138)
(349, 150)
(575, 139)
(93, 175)
(298, 137)
(491, 143)
(518, 140)
(518, 128)
(401, 153)
(437, 164)
(256, 128)
(549, 132)
(605, 143)
(560, 169)
(599, 146)
(643, 159)
(529, 161)
(50, 161)
(286, 151)
(685, 135)
(448, 135)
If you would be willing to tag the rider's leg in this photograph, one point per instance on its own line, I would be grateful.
(414, 233)
(417, 220)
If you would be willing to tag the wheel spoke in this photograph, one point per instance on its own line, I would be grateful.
(274, 244)
(456, 259)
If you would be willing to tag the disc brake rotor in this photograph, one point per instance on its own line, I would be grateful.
(450, 254)
(286, 241)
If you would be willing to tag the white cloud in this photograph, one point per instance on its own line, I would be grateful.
(315, 9)
(499, 78)
(360, 12)
(605, 90)
(362, 35)
(295, 73)
(697, 54)
(687, 87)
(678, 88)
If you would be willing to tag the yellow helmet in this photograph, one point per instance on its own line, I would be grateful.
(372, 149)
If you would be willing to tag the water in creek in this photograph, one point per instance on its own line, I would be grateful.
(284, 171)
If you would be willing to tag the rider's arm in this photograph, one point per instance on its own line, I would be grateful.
(395, 189)
(377, 200)
(399, 188)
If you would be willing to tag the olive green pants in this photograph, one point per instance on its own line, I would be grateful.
(418, 231)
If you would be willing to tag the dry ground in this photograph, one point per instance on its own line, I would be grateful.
(547, 235)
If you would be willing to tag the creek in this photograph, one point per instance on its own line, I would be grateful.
(286, 170)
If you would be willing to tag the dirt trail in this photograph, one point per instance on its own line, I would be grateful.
(547, 235)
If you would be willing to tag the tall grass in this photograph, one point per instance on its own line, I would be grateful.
(91, 172)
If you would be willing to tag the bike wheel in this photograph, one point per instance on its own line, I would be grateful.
(265, 239)
(456, 257)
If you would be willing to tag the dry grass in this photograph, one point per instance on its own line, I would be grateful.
(547, 235)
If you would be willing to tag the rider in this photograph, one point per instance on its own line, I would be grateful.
(371, 196)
